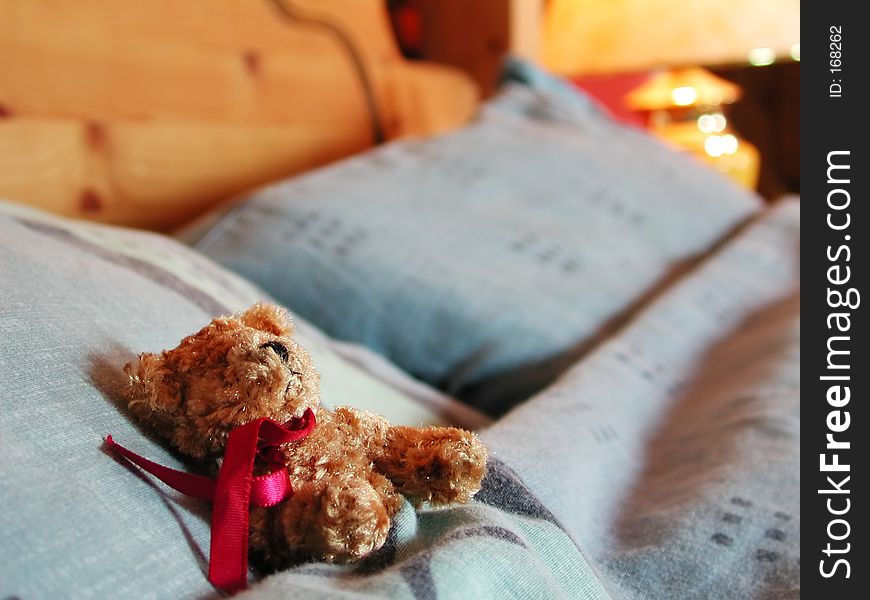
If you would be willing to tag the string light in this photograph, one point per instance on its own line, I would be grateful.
(761, 57)
(719, 145)
(712, 123)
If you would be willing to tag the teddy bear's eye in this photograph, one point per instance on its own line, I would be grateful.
(279, 349)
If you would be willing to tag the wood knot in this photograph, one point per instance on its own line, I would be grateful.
(90, 202)
(251, 60)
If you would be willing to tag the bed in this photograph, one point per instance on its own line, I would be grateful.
(618, 322)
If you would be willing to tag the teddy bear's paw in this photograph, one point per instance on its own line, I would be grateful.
(355, 521)
(439, 465)
(456, 470)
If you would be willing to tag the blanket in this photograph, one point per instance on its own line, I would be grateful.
(665, 464)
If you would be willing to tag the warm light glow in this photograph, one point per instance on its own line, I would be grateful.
(761, 57)
(796, 51)
(684, 96)
(581, 37)
(712, 123)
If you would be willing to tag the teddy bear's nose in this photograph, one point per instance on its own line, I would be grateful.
(279, 349)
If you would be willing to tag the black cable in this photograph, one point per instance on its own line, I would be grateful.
(293, 14)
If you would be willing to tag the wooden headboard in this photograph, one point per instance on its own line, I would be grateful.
(147, 113)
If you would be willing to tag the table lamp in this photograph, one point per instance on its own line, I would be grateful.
(686, 107)
(685, 103)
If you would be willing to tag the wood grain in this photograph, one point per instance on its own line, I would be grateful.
(147, 113)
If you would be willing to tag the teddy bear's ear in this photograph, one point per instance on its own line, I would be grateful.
(268, 318)
(153, 395)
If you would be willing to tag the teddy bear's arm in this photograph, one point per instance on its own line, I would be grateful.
(440, 465)
(361, 428)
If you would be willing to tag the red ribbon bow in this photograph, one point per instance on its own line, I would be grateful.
(235, 489)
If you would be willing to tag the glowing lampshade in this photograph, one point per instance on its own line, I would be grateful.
(682, 87)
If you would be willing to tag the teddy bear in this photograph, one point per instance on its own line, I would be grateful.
(348, 476)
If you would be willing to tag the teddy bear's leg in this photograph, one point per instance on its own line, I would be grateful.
(339, 519)
(436, 464)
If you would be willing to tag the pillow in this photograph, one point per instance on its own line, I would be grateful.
(483, 261)
(78, 301)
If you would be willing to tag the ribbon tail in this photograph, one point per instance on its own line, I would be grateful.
(228, 562)
(196, 486)
(233, 492)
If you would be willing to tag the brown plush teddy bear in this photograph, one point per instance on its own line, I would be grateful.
(348, 476)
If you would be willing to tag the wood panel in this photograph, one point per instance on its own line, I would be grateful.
(146, 113)
(154, 174)
(476, 35)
